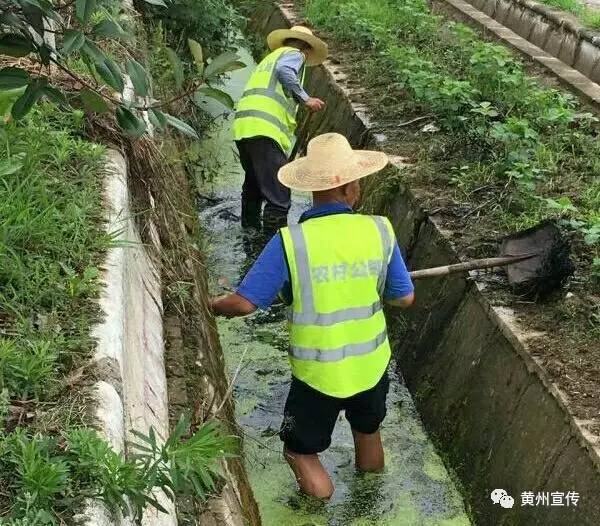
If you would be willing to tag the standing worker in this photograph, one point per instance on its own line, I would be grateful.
(334, 269)
(265, 122)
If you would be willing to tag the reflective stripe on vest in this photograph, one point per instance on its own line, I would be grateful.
(335, 355)
(338, 266)
(264, 108)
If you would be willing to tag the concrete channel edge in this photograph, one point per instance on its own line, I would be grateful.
(548, 36)
(131, 392)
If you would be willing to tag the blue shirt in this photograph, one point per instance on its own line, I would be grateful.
(287, 71)
(269, 274)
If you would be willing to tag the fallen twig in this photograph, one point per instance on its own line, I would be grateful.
(416, 119)
(477, 208)
(232, 383)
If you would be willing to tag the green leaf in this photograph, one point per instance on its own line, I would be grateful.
(44, 53)
(139, 77)
(181, 126)
(153, 502)
(91, 273)
(213, 93)
(11, 78)
(12, 165)
(73, 41)
(93, 102)
(92, 51)
(196, 50)
(181, 428)
(15, 45)
(55, 95)
(157, 118)
(130, 123)
(141, 436)
(7, 99)
(34, 16)
(111, 74)
(84, 10)
(156, 2)
(225, 62)
(109, 28)
(11, 19)
(26, 101)
(47, 9)
(177, 67)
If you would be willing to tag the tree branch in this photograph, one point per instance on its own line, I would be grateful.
(83, 82)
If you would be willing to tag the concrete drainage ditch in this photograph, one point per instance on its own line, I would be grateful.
(415, 489)
(497, 418)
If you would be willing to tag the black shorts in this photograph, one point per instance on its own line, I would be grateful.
(309, 415)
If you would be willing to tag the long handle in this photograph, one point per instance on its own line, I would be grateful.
(469, 265)
(299, 130)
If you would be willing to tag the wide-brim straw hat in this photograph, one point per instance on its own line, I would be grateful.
(318, 49)
(330, 162)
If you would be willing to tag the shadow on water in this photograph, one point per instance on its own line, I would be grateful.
(415, 488)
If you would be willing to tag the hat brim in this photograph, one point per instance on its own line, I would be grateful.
(297, 176)
(315, 56)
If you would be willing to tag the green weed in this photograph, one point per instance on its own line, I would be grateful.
(51, 239)
(50, 475)
(498, 127)
(589, 16)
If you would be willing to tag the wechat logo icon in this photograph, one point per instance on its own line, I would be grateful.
(500, 496)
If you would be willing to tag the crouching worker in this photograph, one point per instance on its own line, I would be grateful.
(335, 268)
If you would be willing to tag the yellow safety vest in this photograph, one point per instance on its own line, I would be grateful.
(338, 266)
(264, 109)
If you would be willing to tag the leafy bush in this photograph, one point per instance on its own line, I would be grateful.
(215, 24)
(43, 477)
(92, 45)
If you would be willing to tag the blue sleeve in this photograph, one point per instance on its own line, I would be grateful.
(287, 71)
(267, 276)
(398, 282)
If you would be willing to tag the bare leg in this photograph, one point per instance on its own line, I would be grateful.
(368, 451)
(312, 477)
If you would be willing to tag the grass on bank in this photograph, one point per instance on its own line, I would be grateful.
(532, 148)
(589, 16)
(52, 243)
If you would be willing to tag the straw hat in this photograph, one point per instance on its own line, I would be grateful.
(314, 56)
(330, 162)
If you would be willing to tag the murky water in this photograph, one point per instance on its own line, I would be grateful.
(415, 488)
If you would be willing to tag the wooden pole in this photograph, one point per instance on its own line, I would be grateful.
(475, 264)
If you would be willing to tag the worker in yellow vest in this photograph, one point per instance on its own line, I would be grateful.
(265, 122)
(334, 269)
